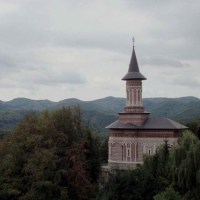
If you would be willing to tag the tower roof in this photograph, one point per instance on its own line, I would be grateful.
(133, 71)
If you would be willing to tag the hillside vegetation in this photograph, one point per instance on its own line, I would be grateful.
(100, 112)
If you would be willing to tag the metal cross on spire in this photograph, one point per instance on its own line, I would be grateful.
(133, 40)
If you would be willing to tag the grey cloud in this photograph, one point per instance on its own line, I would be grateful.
(187, 81)
(12, 62)
(56, 78)
(162, 61)
(157, 5)
(28, 71)
(32, 27)
(25, 84)
(112, 42)
(6, 61)
(175, 29)
(28, 26)
(187, 50)
(48, 78)
(8, 65)
(31, 34)
(117, 58)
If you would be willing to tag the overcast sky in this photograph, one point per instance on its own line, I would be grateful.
(59, 49)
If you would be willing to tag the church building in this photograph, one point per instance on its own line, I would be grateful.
(135, 133)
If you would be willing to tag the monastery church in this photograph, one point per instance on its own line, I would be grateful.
(135, 133)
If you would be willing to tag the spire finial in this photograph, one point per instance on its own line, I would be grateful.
(133, 40)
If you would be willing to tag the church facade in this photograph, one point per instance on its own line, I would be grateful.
(135, 133)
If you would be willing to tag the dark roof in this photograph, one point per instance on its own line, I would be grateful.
(150, 123)
(133, 71)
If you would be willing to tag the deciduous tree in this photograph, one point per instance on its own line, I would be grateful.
(49, 156)
(185, 167)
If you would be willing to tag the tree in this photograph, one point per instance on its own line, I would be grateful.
(104, 151)
(168, 194)
(158, 165)
(193, 126)
(4, 133)
(185, 166)
(135, 184)
(92, 146)
(47, 157)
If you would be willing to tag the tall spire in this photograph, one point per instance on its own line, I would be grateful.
(133, 71)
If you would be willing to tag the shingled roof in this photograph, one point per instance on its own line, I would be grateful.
(133, 71)
(150, 124)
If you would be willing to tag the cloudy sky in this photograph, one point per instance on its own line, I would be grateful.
(58, 49)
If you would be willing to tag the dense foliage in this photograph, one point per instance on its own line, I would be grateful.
(185, 166)
(4, 133)
(50, 156)
(104, 151)
(158, 165)
(136, 184)
(193, 126)
(168, 194)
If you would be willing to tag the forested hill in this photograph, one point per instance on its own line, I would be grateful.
(100, 112)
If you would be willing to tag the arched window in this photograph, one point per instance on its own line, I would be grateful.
(128, 152)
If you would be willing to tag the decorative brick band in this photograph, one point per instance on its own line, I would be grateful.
(133, 109)
(134, 83)
(145, 134)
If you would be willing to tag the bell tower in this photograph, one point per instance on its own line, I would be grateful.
(134, 84)
(134, 110)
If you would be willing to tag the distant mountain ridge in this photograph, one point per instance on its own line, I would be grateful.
(100, 112)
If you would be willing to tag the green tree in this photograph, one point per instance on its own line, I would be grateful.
(159, 166)
(135, 184)
(168, 194)
(192, 126)
(4, 133)
(47, 158)
(104, 151)
(92, 146)
(185, 166)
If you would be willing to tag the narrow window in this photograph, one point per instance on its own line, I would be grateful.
(122, 153)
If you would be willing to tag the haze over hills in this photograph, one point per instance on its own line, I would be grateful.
(100, 112)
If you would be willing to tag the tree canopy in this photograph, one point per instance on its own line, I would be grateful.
(50, 156)
(168, 194)
(135, 184)
(185, 166)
